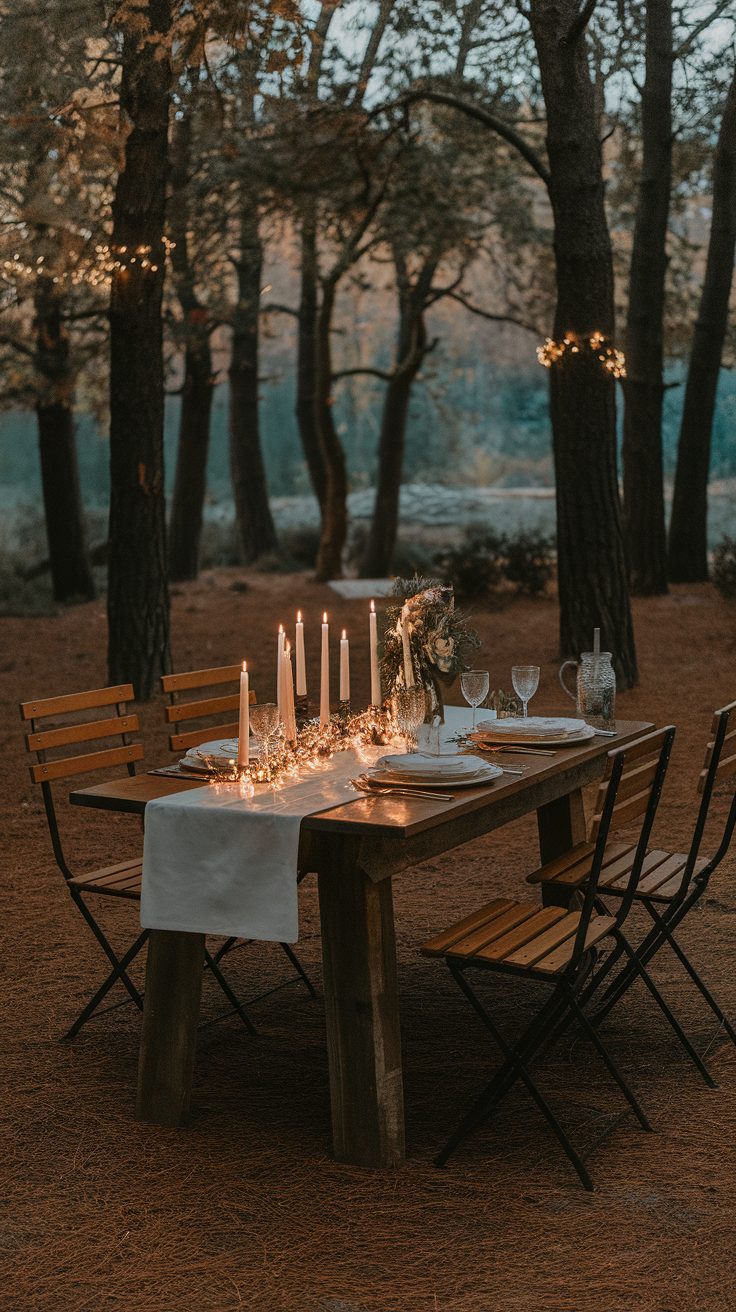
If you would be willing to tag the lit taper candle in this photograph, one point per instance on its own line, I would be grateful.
(324, 687)
(301, 665)
(344, 668)
(244, 719)
(375, 674)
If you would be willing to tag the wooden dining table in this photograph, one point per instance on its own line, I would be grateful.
(355, 850)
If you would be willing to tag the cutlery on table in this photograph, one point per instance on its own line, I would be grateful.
(366, 785)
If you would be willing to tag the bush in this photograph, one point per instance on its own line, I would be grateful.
(483, 561)
(724, 567)
(474, 568)
(529, 562)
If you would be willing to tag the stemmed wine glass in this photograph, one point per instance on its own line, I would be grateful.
(474, 685)
(525, 679)
(264, 723)
(410, 705)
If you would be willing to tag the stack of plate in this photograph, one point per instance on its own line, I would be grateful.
(434, 771)
(541, 730)
(216, 755)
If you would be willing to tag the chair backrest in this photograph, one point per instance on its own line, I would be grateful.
(718, 766)
(631, 787)
(210, 709)
(55, 726)
(642, 760)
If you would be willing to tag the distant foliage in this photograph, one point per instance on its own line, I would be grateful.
(485, 561)
(724, 567)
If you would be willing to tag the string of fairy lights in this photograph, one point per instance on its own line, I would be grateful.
(96, 270)
(553, 352)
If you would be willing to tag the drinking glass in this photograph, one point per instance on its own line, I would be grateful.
(525, 679)
(474, 685)
(411, 705)
(264, 723)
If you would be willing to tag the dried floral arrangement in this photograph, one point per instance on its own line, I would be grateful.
(425, 629)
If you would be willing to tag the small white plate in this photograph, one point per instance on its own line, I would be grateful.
(438, 784)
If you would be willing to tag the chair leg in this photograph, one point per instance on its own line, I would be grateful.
(106, 947)
(641, 971)
(514, 1069)
(692, 972)
(298, 967)
(609, 1063)
(235, 1002)
(118, 972)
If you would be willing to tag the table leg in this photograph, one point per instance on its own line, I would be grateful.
(561, 826)
(169, 1034)
(362, 1010)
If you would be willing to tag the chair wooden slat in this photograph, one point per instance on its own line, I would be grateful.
(543, 944)
(200, 678)
(558, 959)
(71, 765)
(575, 863)
(197, 710)
(617, 875)
(76, 701)
(441, 942)
(81, 733)
(528, 929)
(473, 942)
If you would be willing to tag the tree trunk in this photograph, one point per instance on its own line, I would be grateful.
(688, 541)
(592, 567)
(71, 575)
(644, 385)
(410, 349)
(252, 509)
(334, 509)
(138, 602)
(306, 385)
(190, 483)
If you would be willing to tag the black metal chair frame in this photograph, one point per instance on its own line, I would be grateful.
(119, 964)
(666, 919)
(563, 1004)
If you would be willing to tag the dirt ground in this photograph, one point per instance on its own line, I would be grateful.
(245, 1208)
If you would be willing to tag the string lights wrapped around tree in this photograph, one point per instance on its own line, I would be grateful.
(596, 344)
(427, 640)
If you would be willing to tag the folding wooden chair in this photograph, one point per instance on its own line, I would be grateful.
(672, 883)
(207, 712)
(123, 879)
(554, 946)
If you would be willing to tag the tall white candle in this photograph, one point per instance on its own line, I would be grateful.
(324, 687)
(279, 669)
(596, 643)
(244, 718)
(301, 665)
(344, 668)
(408, 665)
(375, 675)
(288, 687)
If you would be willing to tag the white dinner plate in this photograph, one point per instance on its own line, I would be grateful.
(438, 767)
(439, 784)
(490, 734)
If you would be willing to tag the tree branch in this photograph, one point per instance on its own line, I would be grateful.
(20, 347)
(373, 373)
(481, 115)
(579, 24)
(275, 308)
(493, 318)
(685, 45)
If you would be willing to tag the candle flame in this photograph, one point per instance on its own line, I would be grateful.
(281, 628)
(298, 617)
(373, 607)
(245, 667)
(324, 618)
(344, 635)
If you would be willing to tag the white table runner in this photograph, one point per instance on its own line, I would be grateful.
(217, 863)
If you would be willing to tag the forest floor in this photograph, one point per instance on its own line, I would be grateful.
(245, 1208)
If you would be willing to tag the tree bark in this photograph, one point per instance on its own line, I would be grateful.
(190, 479)
(334, 526)
(411, 346)
(138, 602)
(71, 574)
(644, 385)
(688, 540)
(306, 385)
(253, 512)
(190, 483)
(592, 566)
